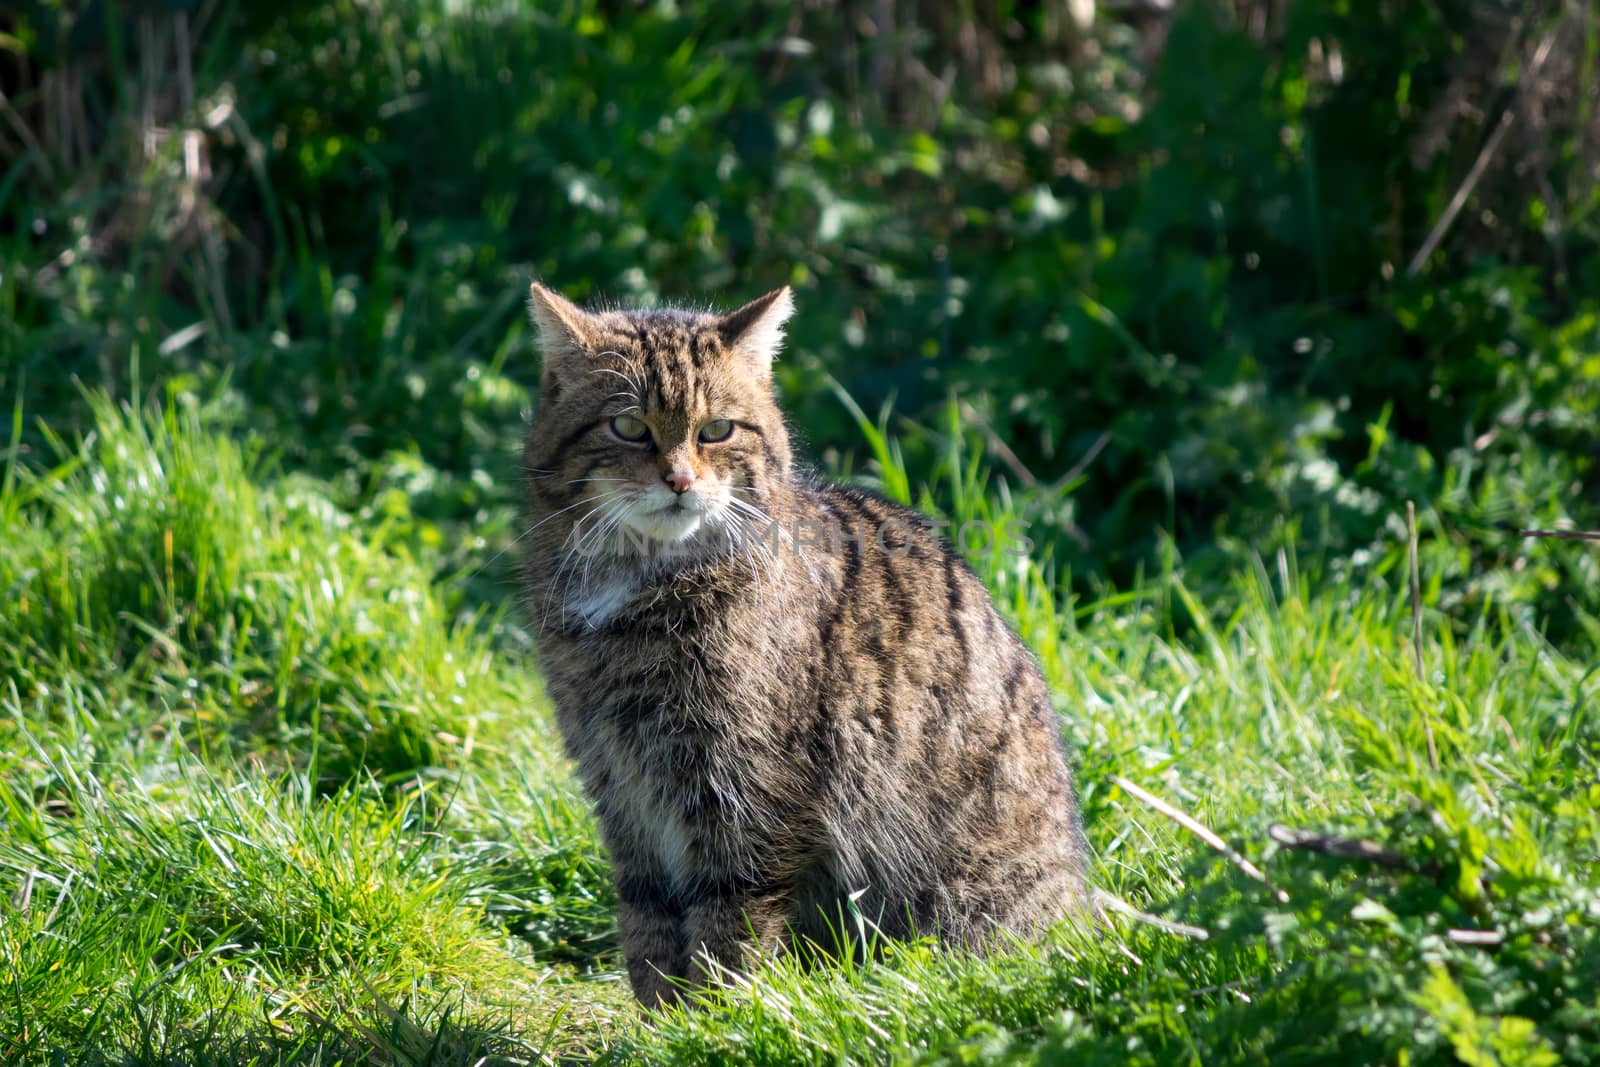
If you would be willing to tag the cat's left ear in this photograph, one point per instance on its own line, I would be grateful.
(755, 331)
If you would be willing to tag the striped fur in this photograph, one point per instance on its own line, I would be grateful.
(771, 724)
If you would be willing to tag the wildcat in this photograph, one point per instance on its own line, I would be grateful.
(772, 726)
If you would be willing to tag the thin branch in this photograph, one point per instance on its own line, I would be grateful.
(1563, 535)
(1487, 938)
(1416, 625)
(1083, 463)
(1114, 903)
(1347, 848)
(998, 445)
(1204, 833)
(1479, 165)
(25, 134)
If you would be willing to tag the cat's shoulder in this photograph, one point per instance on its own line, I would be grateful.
(840, 498)
(875, 519)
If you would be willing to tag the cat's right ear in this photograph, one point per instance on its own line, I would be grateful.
(566, 334)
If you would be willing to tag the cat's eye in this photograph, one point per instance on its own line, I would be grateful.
(716, 430)
(629, 428)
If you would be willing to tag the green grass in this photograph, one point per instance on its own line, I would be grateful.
(277, 780)
(270, 793)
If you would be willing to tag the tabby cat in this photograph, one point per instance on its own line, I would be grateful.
(786, 699)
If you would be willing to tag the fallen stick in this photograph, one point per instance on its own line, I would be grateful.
(1487, 938)
(1111, 902)
(1563, 535)
(1201, 831)
(1347, 848)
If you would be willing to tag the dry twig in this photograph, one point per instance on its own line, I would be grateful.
(1110, 902)
(1347, 848)
(1479, 165)
(1487, 938)
(1416, 624)
(1200, 830)
(1562, 535)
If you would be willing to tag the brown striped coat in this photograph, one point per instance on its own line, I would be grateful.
(785, 698)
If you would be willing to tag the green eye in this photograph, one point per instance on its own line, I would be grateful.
(629, 428)
(717, 430)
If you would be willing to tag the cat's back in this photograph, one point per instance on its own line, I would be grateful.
(934, 709)
(909, 612)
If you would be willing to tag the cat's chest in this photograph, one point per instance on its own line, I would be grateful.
(624, 601)
(677, 722)
(593, 606)
(700, 659)
(694, 813)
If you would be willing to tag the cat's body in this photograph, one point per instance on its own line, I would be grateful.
(780, 694)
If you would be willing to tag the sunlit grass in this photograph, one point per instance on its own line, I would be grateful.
(277, 782)
(265, 798)
(237, 786)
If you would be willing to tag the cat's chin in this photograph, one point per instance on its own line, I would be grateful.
(669, 526)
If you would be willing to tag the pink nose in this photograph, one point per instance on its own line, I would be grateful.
(680, 478)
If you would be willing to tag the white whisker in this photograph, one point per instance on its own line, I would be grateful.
(527, 533)
(611, 503)
(749, 509)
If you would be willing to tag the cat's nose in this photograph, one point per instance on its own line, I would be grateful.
(680, 478)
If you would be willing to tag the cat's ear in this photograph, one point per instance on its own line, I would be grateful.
(755, 331)
(562, 324)
(566, 333)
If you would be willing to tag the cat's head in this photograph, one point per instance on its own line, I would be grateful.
(662, 422)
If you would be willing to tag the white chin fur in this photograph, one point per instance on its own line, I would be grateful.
(671, 525)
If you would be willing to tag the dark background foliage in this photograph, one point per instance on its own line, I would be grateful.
(1199, 270)
(1205, 291)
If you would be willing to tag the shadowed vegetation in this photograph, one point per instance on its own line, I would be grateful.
(1199, 299)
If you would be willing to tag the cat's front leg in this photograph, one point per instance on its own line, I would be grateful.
(654, 942)
(734, 931)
